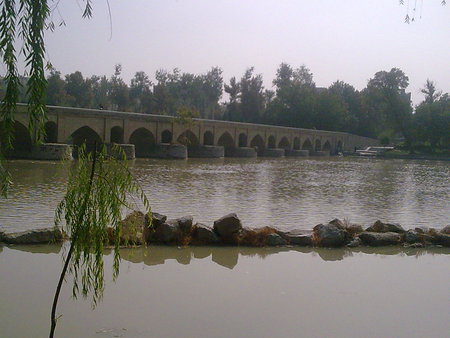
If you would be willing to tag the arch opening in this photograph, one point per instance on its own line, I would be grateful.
(318, 145)
(208, 138)
(257, 142)
(307, 145)
(51, 132)
(271, 142)
(284, 143)
(188, 139)
(296, 143)
(116, 135)
(85, 135)
(242, 140)
(327, 146)
(166, 136)
(339, 147)
(226, 141)
(143, 141)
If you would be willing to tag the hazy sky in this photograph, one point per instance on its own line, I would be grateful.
(348, 40)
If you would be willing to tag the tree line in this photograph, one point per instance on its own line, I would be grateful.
(381, 110)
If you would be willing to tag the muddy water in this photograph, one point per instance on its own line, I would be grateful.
(236, 292)
(288, 193)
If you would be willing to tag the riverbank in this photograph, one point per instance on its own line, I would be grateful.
(139, 229)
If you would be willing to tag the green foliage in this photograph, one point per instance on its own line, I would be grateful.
(98, 189)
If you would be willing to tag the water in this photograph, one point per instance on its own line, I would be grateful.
(286, 193)
(243, 292)
(235, 292)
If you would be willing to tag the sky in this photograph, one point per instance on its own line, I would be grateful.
(347, 40)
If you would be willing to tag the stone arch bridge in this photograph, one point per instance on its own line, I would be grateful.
(166, 137)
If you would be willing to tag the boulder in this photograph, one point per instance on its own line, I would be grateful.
(36, 236)
(204, 234)
(379, 226)
(412, 236)
(354, 243)
(380, 238)
(152, 223)
(185, 224)
(442, 239)
(330, 235)
(167, 232)
(445, 230)
(296, 237)
(349, 227)
(275, 240)
(228, 226)
(132, 228)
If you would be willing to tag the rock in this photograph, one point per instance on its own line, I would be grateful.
(445, 230)
(185, 223)
(167, 232)
(355, 242)
(36, 236)
(227, 226)
(132, 228)
(296, 237)
(380, 238)
(421, 230)
(413, 245)
(412, 236)
(379, 226)
(275, 240)
(337, 222)
(330, 235)
(442, 239)
(354, 229)
(204, 234)
(151, 225)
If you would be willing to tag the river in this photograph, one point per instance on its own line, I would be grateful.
(243, 292)
(286, 193)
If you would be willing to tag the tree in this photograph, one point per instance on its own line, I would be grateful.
(140, 92)
(97, 191)
(389, 89)
(431, 94)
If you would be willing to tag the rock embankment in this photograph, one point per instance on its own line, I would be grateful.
(154, 228)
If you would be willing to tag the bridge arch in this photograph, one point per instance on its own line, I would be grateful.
(271, 143)
(307, 145)
(226, 141)
(208, 138)
(188, 139)
(326, 146)
(116, 135)
(22, 139)
(144, 141)
(317, 145)
(166, 136)
(296, 143)
(51, 132)
(284, 143)
(242, 140)
(85, 135)
(257, 142)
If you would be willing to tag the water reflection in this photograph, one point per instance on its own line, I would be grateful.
(228, 257)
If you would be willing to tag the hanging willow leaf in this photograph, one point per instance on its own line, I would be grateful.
(98, 189)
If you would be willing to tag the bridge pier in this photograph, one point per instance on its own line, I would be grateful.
(273, 152)
(169, 151)
(297, 153)
(128, 150)
(322, 153)
(247, 152)
(200, 151)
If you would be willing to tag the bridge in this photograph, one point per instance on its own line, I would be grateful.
(146, 135)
